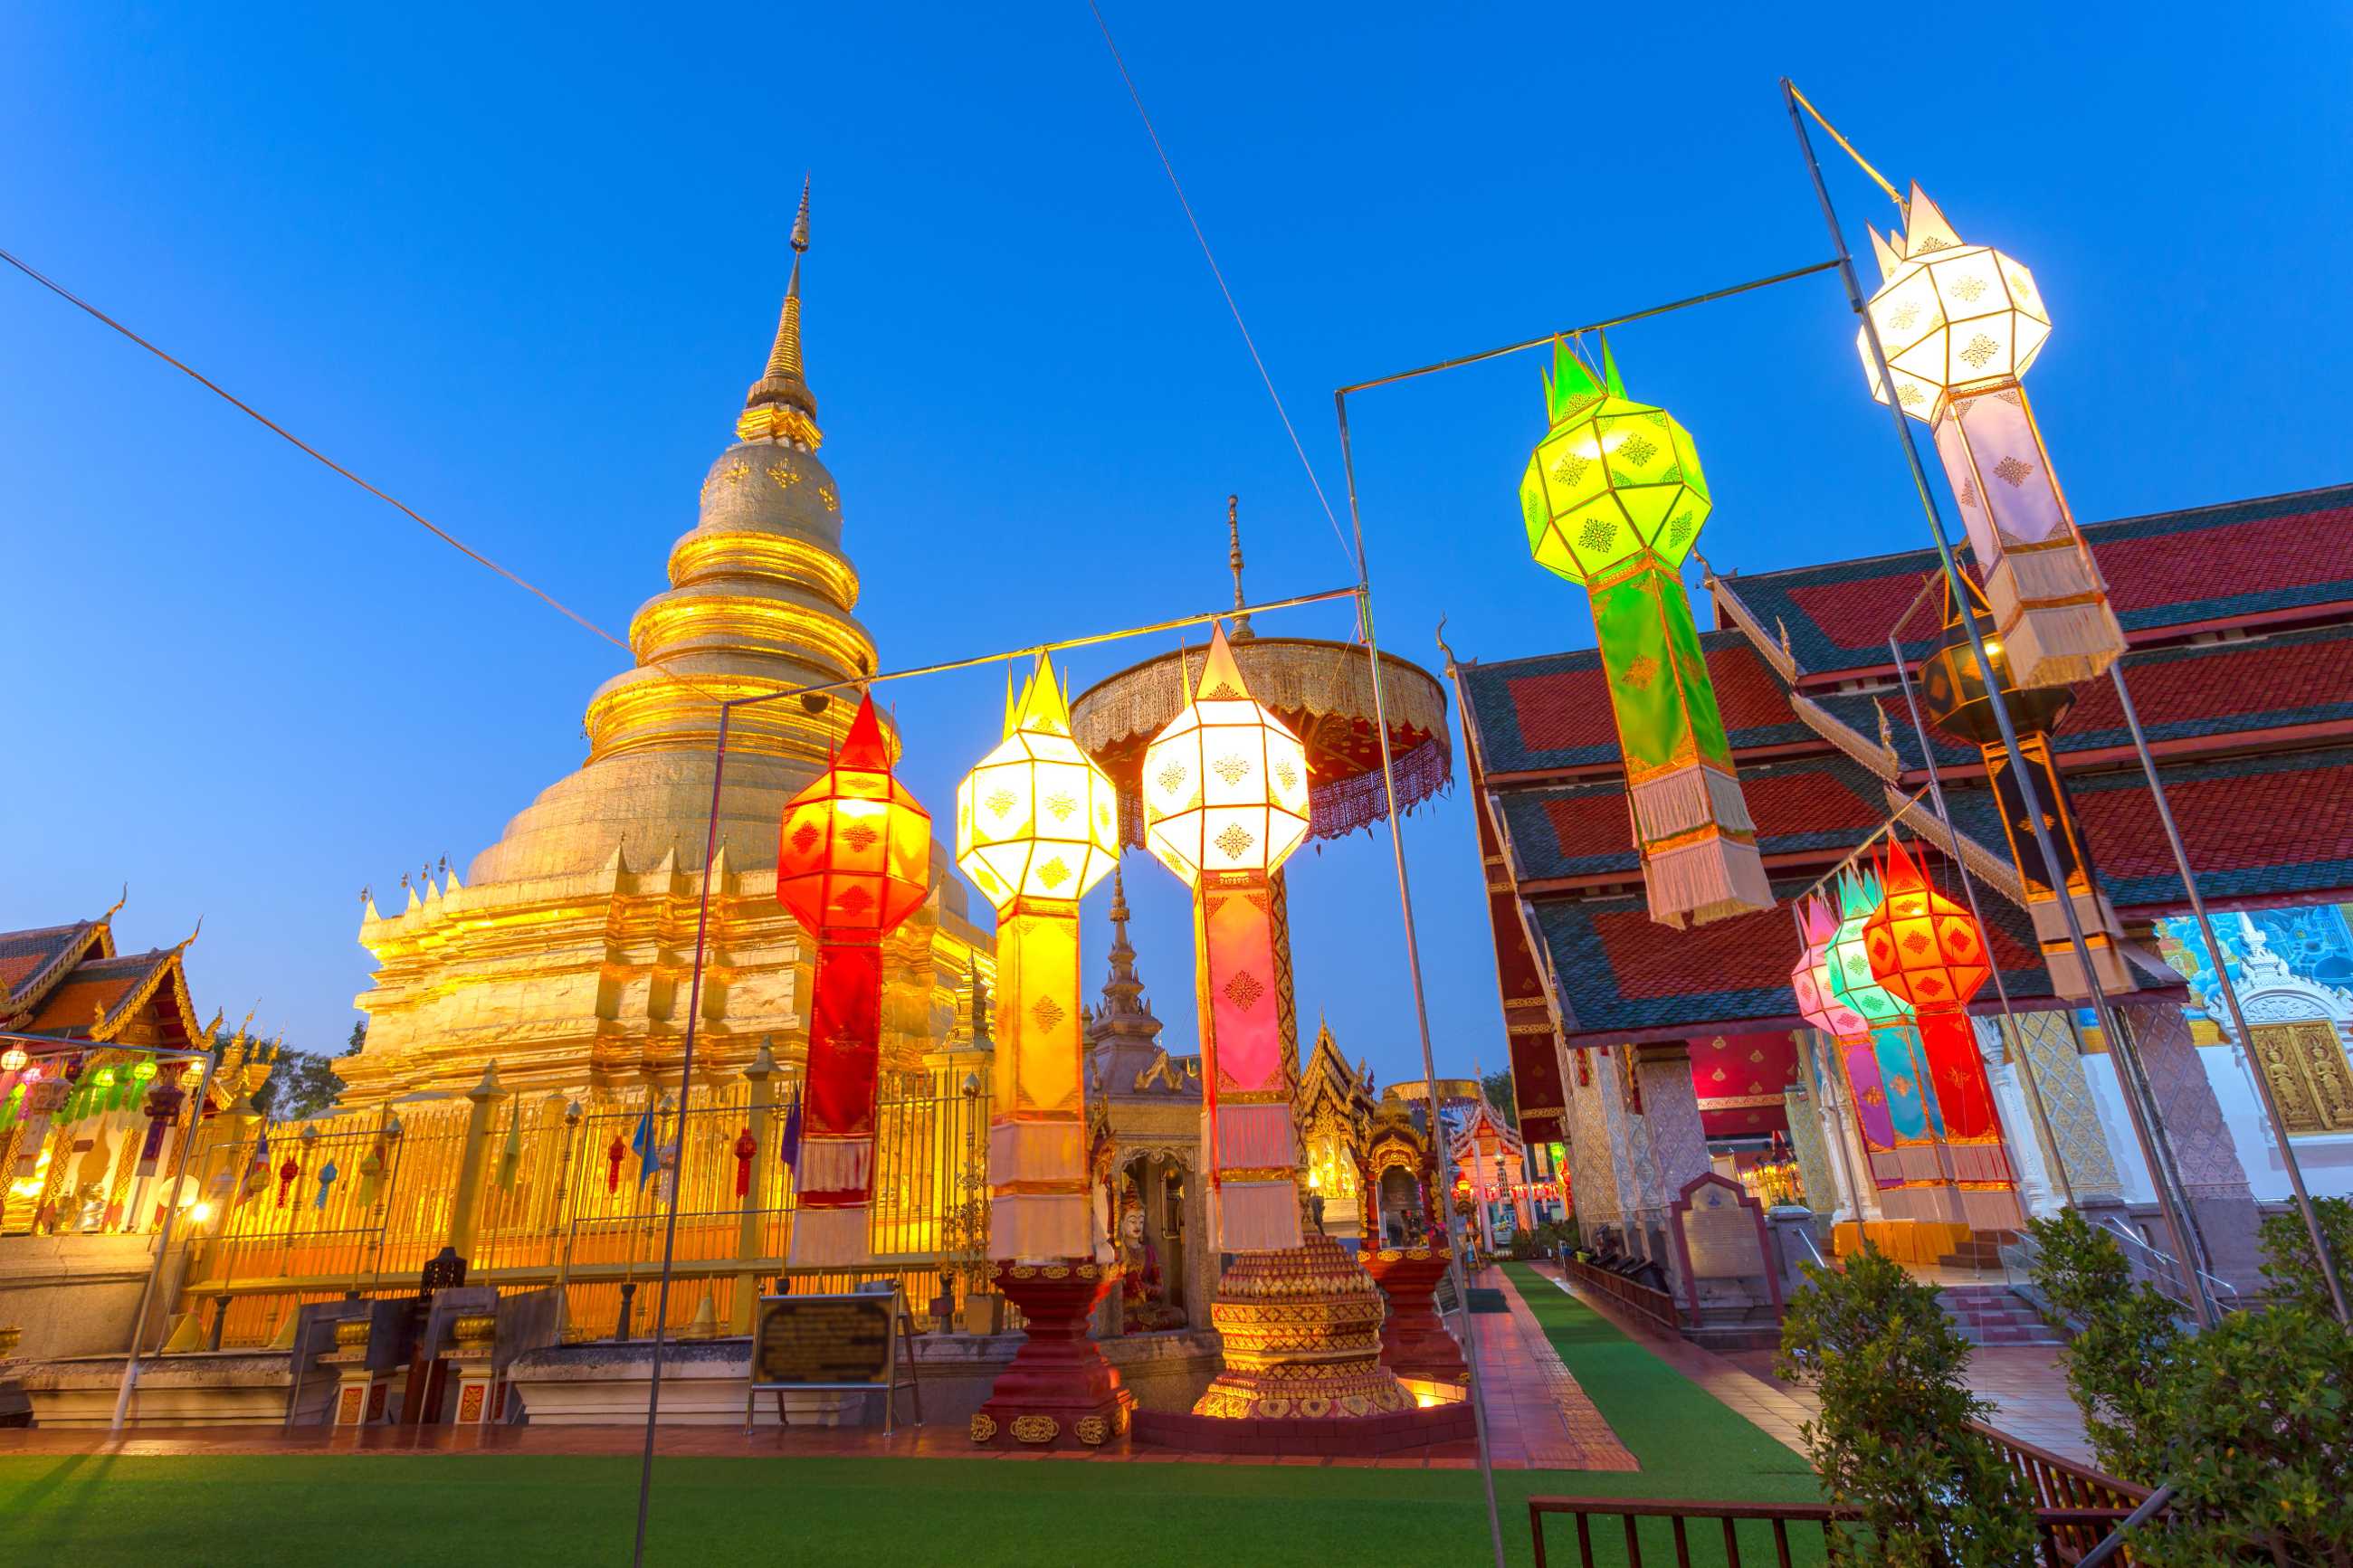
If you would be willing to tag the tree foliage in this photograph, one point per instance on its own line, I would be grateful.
(1893, 1439)
(304, 1083)
(2126, 1343)
(1498, 1086)
(2288, 1261)
(2248, 1421)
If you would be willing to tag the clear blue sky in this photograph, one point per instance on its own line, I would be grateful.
(519, 270)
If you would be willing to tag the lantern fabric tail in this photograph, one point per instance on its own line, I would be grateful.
(2048, 599)
(836, 1164)
(1037, 1159)
(1256, 1144)
(1697, 841)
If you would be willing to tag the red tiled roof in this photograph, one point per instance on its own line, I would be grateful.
(1565, 710)
(98, 991)
(2242, 821)
(1594, 824)
(1785, 804)
(25, 954)
(1859, 615)
(2147, 573)
(2269, 676)
(1750, 952)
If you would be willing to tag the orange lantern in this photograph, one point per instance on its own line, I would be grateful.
(1929, 951)
(854, 860)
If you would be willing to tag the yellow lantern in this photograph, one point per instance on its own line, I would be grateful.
(1035, 817)
(1037, 826)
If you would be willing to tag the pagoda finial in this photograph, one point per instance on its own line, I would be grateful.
(780, 407)
(1234, 562)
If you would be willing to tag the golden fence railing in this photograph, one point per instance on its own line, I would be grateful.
(569, 1191)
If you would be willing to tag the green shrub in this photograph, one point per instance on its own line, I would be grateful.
(2129, 1340)
(2288, 1263)
(2248, 1421)
(1893, 1438)
(2263, 1458)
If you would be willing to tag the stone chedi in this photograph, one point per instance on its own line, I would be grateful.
(565, 952)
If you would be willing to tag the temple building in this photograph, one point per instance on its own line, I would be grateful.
(1673, 1052)
(564, 952)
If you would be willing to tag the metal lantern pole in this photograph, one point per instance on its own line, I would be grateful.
(1969, 886)
(1413, 971)
(2163, 1176)
(163, 1246)
(2231, 995)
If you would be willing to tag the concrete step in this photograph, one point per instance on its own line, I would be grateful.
(1991, 1315)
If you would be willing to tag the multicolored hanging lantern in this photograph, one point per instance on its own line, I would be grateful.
(1928, 951)
(1953, 688)
(854, 860)
(13, 1060)
(1225, 802)
(1912, 1121)
(1810, 979)
(1037, 826)
(1959, 325)
(1614, 499)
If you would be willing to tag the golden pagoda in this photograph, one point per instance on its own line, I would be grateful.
(565, 953)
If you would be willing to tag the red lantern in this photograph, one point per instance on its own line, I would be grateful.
(1928, 951)
(745, 1147)
(854, 860)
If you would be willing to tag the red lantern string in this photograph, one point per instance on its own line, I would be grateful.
(285, 1175)
(745, 1147)
(614, 1152)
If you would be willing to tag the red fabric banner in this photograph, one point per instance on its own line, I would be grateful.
(845, 1041)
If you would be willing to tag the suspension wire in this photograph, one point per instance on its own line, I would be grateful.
(1219, 273)
(443, 535)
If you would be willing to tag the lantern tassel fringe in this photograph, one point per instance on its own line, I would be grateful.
(829, 1237)
(1259, 1216)
(1690, 797)
(1039, 1225)
(1710, 878)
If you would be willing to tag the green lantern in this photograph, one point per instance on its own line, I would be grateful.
(1614, 499)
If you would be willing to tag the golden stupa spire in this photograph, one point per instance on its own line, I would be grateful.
(780, 407)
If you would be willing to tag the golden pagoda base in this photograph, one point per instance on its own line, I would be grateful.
(1302, 1339)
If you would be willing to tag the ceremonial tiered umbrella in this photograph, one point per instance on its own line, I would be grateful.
(1912, 1111)
(854, 860)
(1225, 803)
(1959, 324)
(1614, 499)
(1927, 950)
(1810, 979)
(1953, 687)
(1037, 826)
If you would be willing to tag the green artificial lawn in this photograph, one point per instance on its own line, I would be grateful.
(447, 1510)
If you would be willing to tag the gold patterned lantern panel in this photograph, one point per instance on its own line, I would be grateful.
(1035, 818)
(1959, 325)
(1225, 784)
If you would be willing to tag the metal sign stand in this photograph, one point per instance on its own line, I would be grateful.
(901, 1342)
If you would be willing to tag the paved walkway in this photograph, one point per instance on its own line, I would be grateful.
(1537, 1414)
(2023, 1381)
